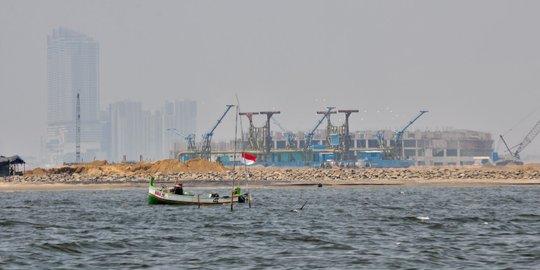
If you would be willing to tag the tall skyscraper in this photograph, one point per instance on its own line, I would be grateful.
(72, 68)
(181, 115)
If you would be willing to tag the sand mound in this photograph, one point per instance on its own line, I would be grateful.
(160, 166)
(36, 171)
(167, 166)
(96, 163)
(202, 165)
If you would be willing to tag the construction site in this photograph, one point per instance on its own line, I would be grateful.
(328, 144)
(331, 145)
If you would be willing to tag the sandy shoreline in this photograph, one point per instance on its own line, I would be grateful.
(202, 174)
(271, 184)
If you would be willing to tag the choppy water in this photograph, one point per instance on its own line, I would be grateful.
(340, 228)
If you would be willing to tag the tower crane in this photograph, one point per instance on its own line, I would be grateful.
(190, 139)
(519, 147)
(78, 132)
(207, 137)
(398, 139)
(288, 135)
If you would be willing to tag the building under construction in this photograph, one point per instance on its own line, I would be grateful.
(422, 148)
(337, 145)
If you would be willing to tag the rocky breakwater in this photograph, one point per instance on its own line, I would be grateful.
(204, 171)
(341, 175)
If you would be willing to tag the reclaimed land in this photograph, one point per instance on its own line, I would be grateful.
(201, 173)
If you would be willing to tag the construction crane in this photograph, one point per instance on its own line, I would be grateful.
(268, 137)
(527, 140)
(288, 135)
(309, 136)
(78, 132)
(519, 147)
(346, 140)
(190, 139)
(207, 137)
(255, 134)
(398, 139)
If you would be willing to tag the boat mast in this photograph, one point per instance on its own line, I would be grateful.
(235, 147)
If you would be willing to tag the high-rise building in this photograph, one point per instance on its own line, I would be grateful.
(153, 135)
(72, 68)
(134, 132)
(126, 130)
(181, 115)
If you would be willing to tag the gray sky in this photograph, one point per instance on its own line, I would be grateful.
(472, 64)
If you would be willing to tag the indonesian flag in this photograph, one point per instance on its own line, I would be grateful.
(248, 159)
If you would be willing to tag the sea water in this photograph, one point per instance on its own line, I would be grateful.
(338, 228)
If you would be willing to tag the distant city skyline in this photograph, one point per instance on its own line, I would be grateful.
(124, 131)
(137, 133)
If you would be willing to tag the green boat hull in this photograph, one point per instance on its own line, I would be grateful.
(163, 196)
(155, 200)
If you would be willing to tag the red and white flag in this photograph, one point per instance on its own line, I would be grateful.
(248, 159)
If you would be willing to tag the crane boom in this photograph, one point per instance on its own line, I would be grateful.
(505, 144)
(207, 137)
(177, 132)
(399, 134)
(278, 124)
(211, 132)
(398, 142)
(311, 133)
(189, 138)
(527, 140)
(288, 134)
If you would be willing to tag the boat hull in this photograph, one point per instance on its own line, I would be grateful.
(161, 196)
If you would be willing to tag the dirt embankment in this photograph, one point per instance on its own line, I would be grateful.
(160, 166)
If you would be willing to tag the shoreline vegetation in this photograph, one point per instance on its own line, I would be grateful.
(200, 173)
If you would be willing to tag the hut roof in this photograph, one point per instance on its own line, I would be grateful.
(11, 160)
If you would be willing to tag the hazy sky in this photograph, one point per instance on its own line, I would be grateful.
(472, 64)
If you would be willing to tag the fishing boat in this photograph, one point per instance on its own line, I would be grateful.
(163, 195)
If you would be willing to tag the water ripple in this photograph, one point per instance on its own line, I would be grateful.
(360, 227)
